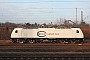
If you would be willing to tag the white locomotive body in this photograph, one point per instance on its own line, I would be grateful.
(50, 34)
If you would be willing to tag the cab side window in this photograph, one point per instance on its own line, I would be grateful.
(16, 31)
(77, 31)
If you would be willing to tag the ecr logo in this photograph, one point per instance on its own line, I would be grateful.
(41, 33)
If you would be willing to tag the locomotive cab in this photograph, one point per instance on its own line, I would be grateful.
(16, 34)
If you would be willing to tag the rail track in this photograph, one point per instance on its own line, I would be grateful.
(45, 54)
(44, 51)
(44, 48)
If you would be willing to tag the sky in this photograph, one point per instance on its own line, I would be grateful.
(43, 11)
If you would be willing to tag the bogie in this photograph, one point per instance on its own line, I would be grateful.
(61, 41)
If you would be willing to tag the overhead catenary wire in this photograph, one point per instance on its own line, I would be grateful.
(44, 1)
(36, 2)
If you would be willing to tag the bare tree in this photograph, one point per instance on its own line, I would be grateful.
(59, 21)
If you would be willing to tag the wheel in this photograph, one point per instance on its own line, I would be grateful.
(21, 41)
(31, 41)
(77, 41)
(14, 40)
(61, 41)
(72, 42)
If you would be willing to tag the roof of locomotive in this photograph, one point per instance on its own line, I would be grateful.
(48, 28)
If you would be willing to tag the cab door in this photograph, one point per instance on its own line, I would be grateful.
(24, 33)
(19, 33)
(74, 34)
